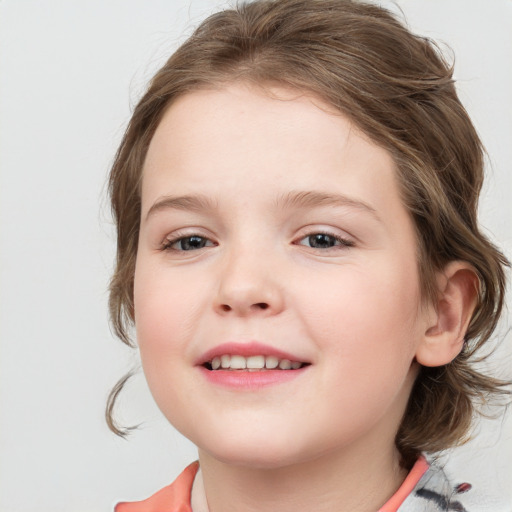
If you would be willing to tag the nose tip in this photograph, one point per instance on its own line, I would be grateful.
(244, 291)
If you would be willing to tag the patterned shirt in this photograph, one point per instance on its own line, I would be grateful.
(426, 489)
(434, 493)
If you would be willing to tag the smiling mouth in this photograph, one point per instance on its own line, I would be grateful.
(252, 363)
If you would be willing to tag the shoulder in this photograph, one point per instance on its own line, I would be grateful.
(173, 498)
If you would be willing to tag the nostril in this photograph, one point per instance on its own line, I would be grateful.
(257, 306)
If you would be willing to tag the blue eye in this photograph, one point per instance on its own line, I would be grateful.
(188, 243)
(324, 241)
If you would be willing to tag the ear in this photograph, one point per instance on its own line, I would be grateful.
(449, 317)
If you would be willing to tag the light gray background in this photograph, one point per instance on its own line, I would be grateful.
(69, 73)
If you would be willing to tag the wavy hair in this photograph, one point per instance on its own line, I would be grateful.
(399, 90)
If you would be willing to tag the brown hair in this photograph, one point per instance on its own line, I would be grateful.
(398, 89)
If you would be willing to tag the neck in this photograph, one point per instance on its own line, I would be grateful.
(355, 481)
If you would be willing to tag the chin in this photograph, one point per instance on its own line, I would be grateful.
(254, 459)
(264, 451)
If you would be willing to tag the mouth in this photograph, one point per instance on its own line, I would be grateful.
(254, 363)
(250, 366)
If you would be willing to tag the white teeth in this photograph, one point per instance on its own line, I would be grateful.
(238, 363)
(256, 362)
(271, 362)
(252, 363)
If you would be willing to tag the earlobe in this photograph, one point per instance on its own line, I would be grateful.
(450, 316)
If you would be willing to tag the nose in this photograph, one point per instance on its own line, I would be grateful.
(249, 285)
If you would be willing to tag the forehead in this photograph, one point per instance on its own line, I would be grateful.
(247, 115)
(276, 137)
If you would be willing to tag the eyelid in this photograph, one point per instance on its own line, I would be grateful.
(180, 234)
(346, 240)
(168, 245)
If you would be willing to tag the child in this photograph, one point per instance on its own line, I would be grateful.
(298, 248)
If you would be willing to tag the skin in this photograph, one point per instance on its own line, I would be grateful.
(352, 310)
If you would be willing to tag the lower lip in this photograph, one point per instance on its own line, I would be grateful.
(245, 380)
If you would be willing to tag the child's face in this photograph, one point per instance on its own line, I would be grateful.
(283, 226)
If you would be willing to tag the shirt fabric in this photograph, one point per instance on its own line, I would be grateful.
(426, 489)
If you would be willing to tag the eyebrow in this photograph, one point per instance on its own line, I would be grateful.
(294, 199)
(311, 199)
(190, 202)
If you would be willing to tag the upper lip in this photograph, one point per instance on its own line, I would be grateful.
(252, 348)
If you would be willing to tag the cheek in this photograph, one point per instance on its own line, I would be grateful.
(159, 315)
(164, 305)
(370, 313)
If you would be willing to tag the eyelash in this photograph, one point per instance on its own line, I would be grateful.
(340, 242)
(168, 243)
(343, 243)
